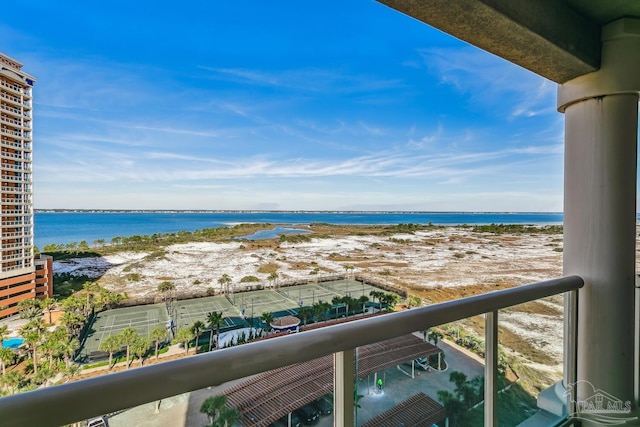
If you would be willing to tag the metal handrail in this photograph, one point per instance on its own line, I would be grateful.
(74, 401)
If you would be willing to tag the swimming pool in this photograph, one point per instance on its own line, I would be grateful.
(14, 342)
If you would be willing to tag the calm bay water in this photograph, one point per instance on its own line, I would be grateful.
(67, 227)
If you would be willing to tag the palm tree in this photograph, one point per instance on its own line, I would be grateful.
(212, 406)
(68, 349)
(32, 333)
(347, 267)
(390, 300)
(349, 302)
(317, 311)
(183, 336)
(363, 299)
(326, 308)
(267, 318)
(273, 278)
(376, 294)
(72, 304)
(4, 331)
(51, 347)
(49, 304)
(158, 333)
(29, 309)
(228, 417)
(224, 283)
(434, 336)
(72, 322)
(13, 379)
(140, 347)
(196, 329)
(214, 318)
(336, 301)
(314, 272)
(128, 336)
(305, 312)
(71, 371)
(7, 356)
(110, 344)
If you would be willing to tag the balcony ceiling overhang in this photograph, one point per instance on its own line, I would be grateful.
(557, 39)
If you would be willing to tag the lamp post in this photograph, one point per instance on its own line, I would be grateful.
(252, 298)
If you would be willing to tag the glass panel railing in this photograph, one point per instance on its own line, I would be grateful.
(460, 371)
(286, 371)
(530, 362)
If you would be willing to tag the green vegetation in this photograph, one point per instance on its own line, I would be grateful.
(294, 238)
(133, 277)
(517, 229)
(249, 279)
(219, 414)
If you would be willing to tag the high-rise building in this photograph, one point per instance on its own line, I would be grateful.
(22, 276)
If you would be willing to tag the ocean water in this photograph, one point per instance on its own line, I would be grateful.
(68, 227)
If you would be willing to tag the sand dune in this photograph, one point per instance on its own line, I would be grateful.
(449, 259)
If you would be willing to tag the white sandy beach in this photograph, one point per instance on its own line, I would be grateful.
(449, 258)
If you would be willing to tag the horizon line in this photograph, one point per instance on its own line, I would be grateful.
(380, 211)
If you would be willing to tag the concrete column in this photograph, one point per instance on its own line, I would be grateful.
(601, 127)
(343, 385)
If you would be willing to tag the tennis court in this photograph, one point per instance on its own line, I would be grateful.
(353, 288)
(237, 310)
(187, 312)
(142, 318)
(308, 294)
(255, 303)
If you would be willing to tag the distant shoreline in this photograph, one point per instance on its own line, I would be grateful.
(381, 212)
(68, 226)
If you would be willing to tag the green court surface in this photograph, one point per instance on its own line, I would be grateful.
(352, 288)
(187, 312)
(237, 309)
(142, 318)
(255, 303)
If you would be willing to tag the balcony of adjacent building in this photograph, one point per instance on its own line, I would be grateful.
(12, 143)
(16, 189)
(12, 166)
(11, 132)
(15, 122)
(14, 88)
(17, 201)
(12, 99)
(19, 265)
(15, 210)
(14, 245)
(16, 112)
(12, 177)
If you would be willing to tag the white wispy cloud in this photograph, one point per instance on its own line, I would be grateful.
(307, 79)
(492, 81)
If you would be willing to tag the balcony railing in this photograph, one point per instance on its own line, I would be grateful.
(10, 97)
(12, 87)
(12, 144)
(11, 109)
(79, 400)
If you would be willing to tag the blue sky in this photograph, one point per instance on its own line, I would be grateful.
(277, 105)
